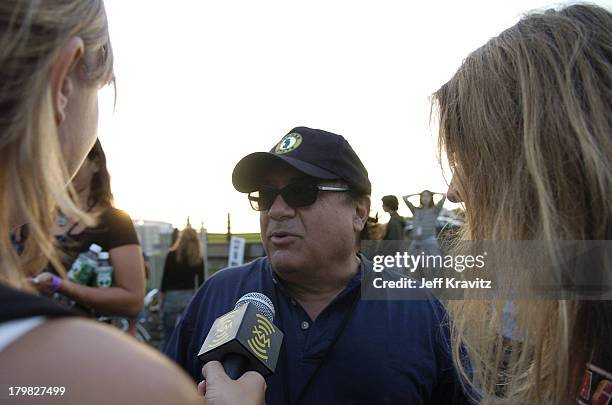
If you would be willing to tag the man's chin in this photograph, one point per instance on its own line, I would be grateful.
(284, 262)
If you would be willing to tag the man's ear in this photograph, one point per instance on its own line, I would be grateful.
(362, 211)
(60, 80)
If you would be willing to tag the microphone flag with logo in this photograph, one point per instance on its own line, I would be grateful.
(245, 339)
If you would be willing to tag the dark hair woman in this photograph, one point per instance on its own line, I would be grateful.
(114, 233)
(424, 236)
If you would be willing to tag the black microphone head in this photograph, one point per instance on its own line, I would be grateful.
(261, 302)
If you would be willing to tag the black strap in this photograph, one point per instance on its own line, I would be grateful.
(335, 339)
(284, 352)
(15, 304)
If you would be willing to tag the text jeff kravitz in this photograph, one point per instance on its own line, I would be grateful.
(438, 282)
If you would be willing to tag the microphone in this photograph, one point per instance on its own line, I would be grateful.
(245, 339)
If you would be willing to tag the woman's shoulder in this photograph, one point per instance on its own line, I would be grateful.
(171, 256)
(115, 228)
(94, 362)
(111, 213)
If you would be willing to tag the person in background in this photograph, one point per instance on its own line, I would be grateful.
(114, 232)
(395, 226)
(375, 230)
(183, 275)
(424, 234)
(526, 124)
(147, 266)
(174, 237)
(54, 56)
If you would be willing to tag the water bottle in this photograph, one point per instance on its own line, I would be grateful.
(104, 271)
(84, 267)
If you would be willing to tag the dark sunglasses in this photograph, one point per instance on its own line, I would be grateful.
(296, 195)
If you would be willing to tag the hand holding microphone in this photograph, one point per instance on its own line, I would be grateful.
(247, 344)
(218, 389)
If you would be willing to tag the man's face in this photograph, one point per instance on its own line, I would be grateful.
(312, 237)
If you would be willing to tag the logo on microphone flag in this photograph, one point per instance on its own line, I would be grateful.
(260, 343)
(224, 329)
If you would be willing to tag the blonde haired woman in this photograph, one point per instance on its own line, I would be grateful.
(183, 274)
(526, 123)
(54, 56)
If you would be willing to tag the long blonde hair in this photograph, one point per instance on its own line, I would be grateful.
(33, 174)
(526, 125)
(188, 247)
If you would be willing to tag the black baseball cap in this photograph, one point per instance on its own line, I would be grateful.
(314, 152)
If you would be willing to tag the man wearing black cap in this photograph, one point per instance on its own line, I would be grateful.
(312, 193)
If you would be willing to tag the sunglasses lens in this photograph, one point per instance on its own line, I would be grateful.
(263, 199)
(295, 195)
(254, 200)
(300, 194)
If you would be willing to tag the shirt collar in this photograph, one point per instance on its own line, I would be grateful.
(354, 282)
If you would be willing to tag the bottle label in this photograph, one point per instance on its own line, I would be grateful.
(104, 277)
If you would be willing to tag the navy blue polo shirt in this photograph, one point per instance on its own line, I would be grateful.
(390, 352)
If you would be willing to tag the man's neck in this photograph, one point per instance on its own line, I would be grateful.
(315, 295)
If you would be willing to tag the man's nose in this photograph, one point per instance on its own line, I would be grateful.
(280, 209)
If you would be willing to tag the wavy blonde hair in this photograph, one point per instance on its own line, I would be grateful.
(188, 247)
(526, 125)
(33, 174)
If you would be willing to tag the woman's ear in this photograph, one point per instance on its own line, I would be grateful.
(96, 164)
(362, 211)
(61, 82)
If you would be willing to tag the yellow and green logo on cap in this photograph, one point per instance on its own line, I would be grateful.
(290, 142)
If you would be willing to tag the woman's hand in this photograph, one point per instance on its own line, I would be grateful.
(47, 283)
(219, 389)
(125, 297)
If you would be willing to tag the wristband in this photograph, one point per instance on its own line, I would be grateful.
(56, 282)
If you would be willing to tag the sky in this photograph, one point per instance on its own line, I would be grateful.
(200, 84)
